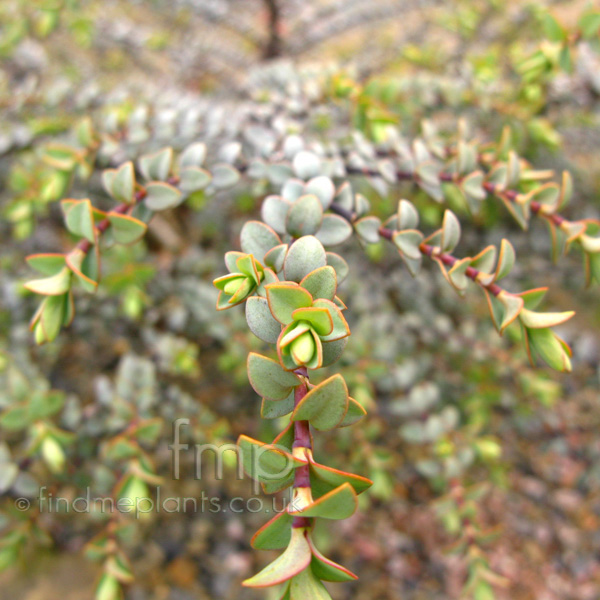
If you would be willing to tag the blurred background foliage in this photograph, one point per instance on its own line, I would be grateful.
(486, 471)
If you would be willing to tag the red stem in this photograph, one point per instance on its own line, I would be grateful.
(301, 440)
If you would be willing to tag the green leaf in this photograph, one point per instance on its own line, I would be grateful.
(269, 379)
(83, 265)
(408, 242)
(79, 219)
(275, 256)
(334, 230)
(305, 586)
(368, 229)
(340, 503)
(193, 156)
(273, 466)
(52, 315)
(260, 320)
(321, 283)
(157, 166)
(305, 216)
(324, 479)
(224, 176)
(450, 232)
(590, 24)
(319, 319)
(332, 351)
(340, 325)
(257, 239)
(550, 349)
(161, 196)
(326, 569)
(304, 255)
(192, 179)
(285, 298)
(472, 186)
(108, 588)
(274, 212)
(47, 264)
(535, 320)
(553, 29)
(506, 260)
(126, 229)
(275, 534)
(355, 412)
(55, 285)
(512, 305)
(306, 164)
(339, 265)
(325, 405)
(273, 409)
(123, 183)
(322, 187)
(295, 559)
(408, 216)
(14, 418)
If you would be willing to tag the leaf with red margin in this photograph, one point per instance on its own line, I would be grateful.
(294, 560)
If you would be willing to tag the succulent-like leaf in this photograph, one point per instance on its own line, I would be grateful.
(334, 230)
(340, 503)
(275, 534)
(339, 264)
(257, 239)
(325, 405)
(332, 351)
(450, 232)
(321, 283)
(269, 464)
(368, 229)
(192, 156)
(354, 414)
(55, 285)
(192, 179)
(268, 379)
(85, 267)
(273, 409)
(274, 212)
(295, 559)
(506, 260)
(285, 298)
(161, 196)
(79, 219)
(535, 320)
(319, 319)
(323, 479)
(306, 164)
(260, 320)
(550, 348)
(275, 256)
(304, 255)
(47, 264)
(322, 187)
(326, 569)
(304, 216)
(305, 586)
(126, 229)
(224, 176)
(123, 183)
(513, 305)
(408, 242)
(157, 166)
(340, 325)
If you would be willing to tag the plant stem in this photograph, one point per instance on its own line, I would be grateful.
(301, 440)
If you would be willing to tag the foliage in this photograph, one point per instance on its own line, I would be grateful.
(331, 158)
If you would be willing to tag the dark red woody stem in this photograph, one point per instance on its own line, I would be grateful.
(301, 440)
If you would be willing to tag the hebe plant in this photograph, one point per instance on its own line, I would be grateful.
(288, 279)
